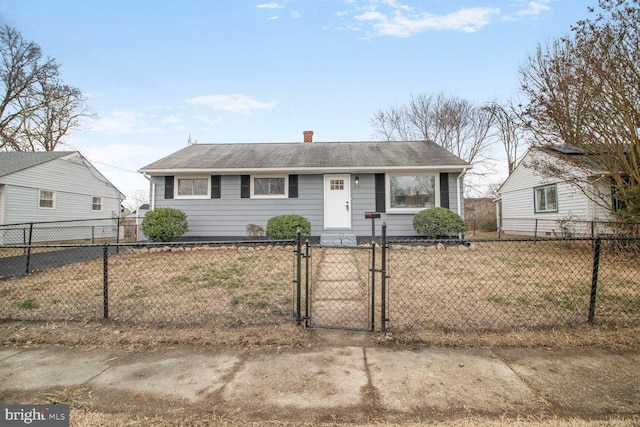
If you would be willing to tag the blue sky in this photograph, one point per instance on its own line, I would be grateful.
(156, 72)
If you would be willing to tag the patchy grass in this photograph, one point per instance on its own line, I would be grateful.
(489, 286)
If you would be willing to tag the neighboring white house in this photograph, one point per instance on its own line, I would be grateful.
(529, 203)
(55, 186)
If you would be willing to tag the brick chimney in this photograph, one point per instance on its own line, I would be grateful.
(308, 135)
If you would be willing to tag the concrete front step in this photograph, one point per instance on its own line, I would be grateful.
(338, 239)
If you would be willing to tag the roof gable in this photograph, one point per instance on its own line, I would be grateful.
(15, 161)
(301, 156)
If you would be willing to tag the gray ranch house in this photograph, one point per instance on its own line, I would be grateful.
(225, 187)
(50, 186)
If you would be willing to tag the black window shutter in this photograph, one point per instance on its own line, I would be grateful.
(245, 186)
(168, 187)
(293, 186)
(380, 193)
(444, 190)
(215, 186)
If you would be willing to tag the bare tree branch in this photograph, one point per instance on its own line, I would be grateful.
(584, 90)
(37, 111)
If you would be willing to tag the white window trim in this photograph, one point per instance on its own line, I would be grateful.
(535, 199)
(176, 186)
(436, 190)
(101, 203)
(271, 196)
(53, 204)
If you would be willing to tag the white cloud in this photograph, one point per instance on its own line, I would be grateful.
(207, 120)
(172, 119)
(295, 14)
(123, 122)
(234, 103)
(272, 5)
(272, 18)
(535, 8)
(402, 24)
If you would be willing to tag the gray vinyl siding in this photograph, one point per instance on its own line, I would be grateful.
(398, 224)
(229, 215)
(74, 185)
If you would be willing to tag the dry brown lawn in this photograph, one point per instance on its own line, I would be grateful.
(488, 286)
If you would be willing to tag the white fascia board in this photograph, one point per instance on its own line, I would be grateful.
(318, 170)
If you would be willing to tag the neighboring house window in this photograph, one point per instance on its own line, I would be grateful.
(411, 193)
(269, 186)
(192, 187)
(47, 199)
(96, 204)
(546, 198)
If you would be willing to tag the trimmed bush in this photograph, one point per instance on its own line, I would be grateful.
(438, 222)
(286, 226)
(163, 224)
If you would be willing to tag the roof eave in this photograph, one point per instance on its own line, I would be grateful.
(313, 170)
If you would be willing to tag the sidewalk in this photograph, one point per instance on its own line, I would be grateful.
(324, 381)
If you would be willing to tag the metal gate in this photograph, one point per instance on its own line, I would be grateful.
(342, 287)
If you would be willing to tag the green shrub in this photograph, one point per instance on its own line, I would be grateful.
(163, 224)
(438, 222)
(286, 226)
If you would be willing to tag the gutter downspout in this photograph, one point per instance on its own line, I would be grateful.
(152, 202)
(152, 205)
(458, 186)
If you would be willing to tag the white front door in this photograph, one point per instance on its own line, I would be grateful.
(337, 201)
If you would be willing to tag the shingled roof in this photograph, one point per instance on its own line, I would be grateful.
(15, 161)
(316, 156)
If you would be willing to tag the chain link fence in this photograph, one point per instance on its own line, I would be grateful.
(507, 284)
(446, 285)
(79, 231)
(567, 227)
(179, 284)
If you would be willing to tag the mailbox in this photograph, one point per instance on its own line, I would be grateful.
(372, 215)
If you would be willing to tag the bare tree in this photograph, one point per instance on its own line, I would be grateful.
(584, 90)
(37, 110)
(456, 124)
(509, 131)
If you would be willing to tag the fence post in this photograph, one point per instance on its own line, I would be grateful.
(105, 281)
(306, 283)
(594, 280)
(373, 283)
(29, 246)
(298, 252)
(383, 283)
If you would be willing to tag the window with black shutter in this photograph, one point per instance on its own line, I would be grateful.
(444, 190)
(380, 193)
(245, 186)
(215, 186)
(168, 187)
(293, 186)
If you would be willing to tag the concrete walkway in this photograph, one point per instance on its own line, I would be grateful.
(355, 382)
(339, 299)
